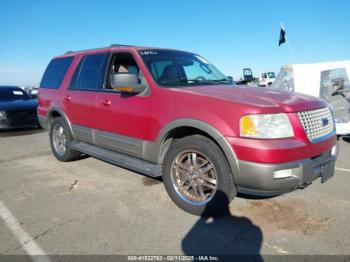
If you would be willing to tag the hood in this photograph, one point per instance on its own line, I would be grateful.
(259, 97)
(18, 105)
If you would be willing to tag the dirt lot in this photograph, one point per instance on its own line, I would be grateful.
(92, 207)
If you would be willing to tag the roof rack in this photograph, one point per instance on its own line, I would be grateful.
(119, 45)
(112, 45)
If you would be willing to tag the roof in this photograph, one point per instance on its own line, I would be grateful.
(110, 48)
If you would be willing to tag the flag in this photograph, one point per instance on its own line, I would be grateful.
(282, 36)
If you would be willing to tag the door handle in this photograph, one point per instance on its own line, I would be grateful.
(106, 102)
(67, 99)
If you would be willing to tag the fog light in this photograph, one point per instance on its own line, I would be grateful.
(285, 173)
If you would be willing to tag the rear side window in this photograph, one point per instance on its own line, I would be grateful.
(90, 72)
(55, 72)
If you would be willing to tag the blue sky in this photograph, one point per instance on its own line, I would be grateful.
(230, 34)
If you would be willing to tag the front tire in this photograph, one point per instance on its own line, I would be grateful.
(60, 141)
(197, 176)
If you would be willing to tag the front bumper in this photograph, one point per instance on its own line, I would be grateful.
(257, 178)
(8, 125)
(5, 127)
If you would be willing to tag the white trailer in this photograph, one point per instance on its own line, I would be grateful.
(328, 80)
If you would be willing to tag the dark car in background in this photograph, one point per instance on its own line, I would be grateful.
(17, 109)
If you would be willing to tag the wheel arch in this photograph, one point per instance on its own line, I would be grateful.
(57, 112)
(193, 126)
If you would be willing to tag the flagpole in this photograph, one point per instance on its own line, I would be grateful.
(289, 47)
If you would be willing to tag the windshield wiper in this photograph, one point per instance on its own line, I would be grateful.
(201, 81)
(182, 80)
(220, 80)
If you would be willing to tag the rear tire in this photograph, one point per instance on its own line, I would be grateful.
(60, 141)
(197, 176)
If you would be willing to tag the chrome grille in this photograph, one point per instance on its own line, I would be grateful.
(318, 123)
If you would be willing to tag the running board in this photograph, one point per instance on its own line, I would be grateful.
(118, 159)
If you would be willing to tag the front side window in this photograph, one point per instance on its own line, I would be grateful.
(177, 68)
(124, 63)
(89, 73)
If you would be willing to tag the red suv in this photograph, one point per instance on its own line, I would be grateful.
(170, 113)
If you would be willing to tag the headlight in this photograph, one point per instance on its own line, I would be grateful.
(2, 115)
(266, 126)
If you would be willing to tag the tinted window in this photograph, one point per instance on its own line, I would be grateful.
(12, 93)
(89, 73)
(55, 72)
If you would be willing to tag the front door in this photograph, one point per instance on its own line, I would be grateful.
(123, 120)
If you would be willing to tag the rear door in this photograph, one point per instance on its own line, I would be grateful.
(80, 97)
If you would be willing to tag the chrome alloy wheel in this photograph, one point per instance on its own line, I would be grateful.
(59, 138)
(194, 177)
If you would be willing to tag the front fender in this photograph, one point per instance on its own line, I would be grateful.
(202, 126)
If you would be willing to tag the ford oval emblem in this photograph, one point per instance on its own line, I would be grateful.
(325, 121)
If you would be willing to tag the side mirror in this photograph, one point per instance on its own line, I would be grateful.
(126, 82)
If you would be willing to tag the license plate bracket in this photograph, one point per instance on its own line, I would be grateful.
(327, 171)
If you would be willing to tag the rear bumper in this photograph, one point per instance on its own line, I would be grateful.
(258, 179)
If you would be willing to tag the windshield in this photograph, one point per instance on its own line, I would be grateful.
(13, 93)
(271, 75)
(177, 68)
